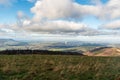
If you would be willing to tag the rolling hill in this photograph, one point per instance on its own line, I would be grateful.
(104, 51)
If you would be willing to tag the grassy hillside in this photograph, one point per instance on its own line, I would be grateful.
(53, 67)
(104, 52)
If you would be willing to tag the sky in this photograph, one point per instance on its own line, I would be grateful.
(85, 20)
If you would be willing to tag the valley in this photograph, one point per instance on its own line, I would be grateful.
(85, 48)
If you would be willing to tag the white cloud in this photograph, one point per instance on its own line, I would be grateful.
(112, 25)
(53, 9)
(6, 30)
(60, 27)
(47, 10)
(22, 19)
(115, 6)
(51, 16)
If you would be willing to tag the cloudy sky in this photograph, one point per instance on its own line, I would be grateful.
(89, 20)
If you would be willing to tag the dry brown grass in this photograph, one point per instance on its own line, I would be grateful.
(45, 67)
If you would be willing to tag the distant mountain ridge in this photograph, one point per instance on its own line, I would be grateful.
(4, 40)
(86, 48)
(11, 42)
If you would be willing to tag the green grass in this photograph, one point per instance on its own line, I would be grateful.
(53, 67)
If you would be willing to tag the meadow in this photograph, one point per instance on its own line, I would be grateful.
(58, 67)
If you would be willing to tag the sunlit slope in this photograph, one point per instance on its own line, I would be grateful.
(104, 52)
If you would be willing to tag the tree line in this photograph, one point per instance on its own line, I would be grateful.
(41, 52)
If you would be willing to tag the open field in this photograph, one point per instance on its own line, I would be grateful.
(58, 67)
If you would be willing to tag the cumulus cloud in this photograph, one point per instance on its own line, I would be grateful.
(51, 16)
(58, 9)
(51, 26)
(112, 25)
(48, 12)
(42, 22)
(22, 19)
(60, 26)
(54, 9)
(110, 10)
(107, 11)
(6, 30)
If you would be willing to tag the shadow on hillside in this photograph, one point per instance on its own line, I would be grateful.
(41, 52)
